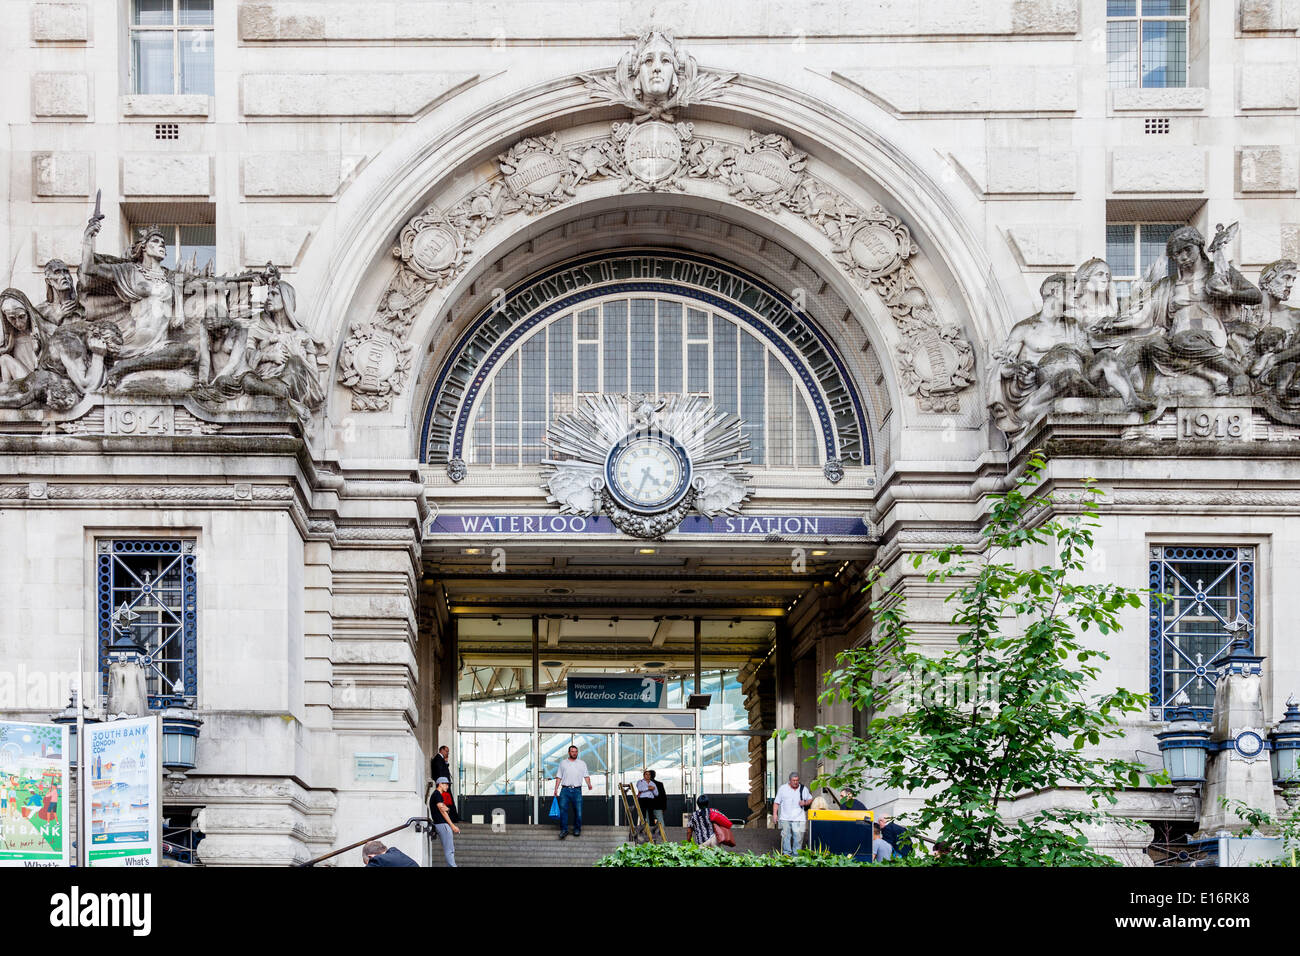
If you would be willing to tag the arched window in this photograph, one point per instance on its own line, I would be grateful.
(663, 345)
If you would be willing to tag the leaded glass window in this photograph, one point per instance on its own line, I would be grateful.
(171, 47)
(147, 588)
(1146, 43)
(1208, 588)
(642, 344)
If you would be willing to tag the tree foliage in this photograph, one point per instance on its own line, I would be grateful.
(1004, 712)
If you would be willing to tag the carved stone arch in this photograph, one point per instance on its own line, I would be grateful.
(906, 234)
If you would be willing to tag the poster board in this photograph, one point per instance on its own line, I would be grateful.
(120, 791)
(34, 769)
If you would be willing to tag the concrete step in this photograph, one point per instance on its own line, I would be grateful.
(524, 845)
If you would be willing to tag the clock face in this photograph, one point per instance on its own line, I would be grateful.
(648, 473)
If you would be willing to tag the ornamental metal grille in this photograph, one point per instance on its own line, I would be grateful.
(148, 588)
(1208, 588)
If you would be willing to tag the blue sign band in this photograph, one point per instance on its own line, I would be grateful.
(815, 526)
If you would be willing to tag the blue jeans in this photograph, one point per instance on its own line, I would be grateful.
(792, 836)
(570, 797)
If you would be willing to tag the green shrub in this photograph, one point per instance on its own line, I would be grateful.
(688, 854)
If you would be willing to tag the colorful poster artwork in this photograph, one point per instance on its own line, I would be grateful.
(33, 811)
(121, 792)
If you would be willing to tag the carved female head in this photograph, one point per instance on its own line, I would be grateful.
(149, 242)
(17, 311)
(656, 65)
(1183, 248)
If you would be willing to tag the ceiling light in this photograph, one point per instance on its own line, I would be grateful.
(559, 590)
(654, 664)
(552, 663)
(645, 550)
(820, 553)
(473, 551)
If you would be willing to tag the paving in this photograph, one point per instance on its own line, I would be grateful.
(525, 845)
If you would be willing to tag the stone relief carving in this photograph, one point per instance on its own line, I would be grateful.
(1193, 329)
(655, 77)
(130, 326)
(654, 152)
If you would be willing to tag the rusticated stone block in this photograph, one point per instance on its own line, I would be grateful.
(278, 244)
(1270, 86)
(1269, 168)
(61, 174)
(166, 174)
(291, 174)
(1046, 246)
(60, 94)
(1032, 170)
(1142, 170)
(60, 22)
(1159, 100)
(1265, 16)
(56, 242)
(146, 104)
(970, 89)
(1045, 16)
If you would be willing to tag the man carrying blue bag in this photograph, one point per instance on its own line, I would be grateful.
(568, 789)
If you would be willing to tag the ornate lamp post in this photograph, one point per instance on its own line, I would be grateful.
(1184, 745)
(68, 717)
(1286, 753)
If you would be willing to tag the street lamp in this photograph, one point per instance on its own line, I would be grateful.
(1286, 752)
(180, 738)
(1183, 746)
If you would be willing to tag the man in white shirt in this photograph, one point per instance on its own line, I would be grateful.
(790, 815)
(568, 788)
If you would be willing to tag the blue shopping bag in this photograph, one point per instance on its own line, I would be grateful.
(555, 808)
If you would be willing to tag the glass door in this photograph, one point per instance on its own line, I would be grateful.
(670, 757)
(594, 751)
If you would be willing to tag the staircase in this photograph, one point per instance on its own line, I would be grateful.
(524, 845)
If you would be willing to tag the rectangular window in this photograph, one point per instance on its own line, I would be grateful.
(171, 47)
(1146, 43)
(1211, 600)
(189, 247)
(147, 590)
(1132, 249)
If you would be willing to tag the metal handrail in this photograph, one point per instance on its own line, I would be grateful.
(353, 846)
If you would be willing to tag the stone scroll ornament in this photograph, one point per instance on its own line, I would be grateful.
(131, 326)
(646, 462)
(656, 151)
(1192, 328)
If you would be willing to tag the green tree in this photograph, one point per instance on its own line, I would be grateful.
(1004, 712)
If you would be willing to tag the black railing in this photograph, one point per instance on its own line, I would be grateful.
(422, 825)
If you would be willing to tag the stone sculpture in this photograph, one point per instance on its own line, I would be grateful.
(19, 328)
(129, 325)
(1195, 328)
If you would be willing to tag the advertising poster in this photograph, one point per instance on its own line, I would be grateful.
(120, 791)
(33, 808)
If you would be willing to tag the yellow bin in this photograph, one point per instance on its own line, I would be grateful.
(840, 816)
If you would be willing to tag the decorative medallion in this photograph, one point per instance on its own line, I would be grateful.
(768, 171)
(456, 469)
(652, 152)
(875, 246)
(833, 470)
(432, 248)
(538, 173)
(375, 365)
(646, 463)
(1248, 745)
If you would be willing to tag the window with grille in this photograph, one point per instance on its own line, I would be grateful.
(1132, 249)
(661, 345)
(1208, 589)
(171, 46)
(147, 589)
(1146, 43)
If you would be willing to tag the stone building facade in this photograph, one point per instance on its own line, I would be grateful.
(865, 234)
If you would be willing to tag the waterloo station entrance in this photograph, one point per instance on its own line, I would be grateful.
(653, 611)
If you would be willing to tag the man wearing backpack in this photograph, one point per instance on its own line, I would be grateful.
(790, 814)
